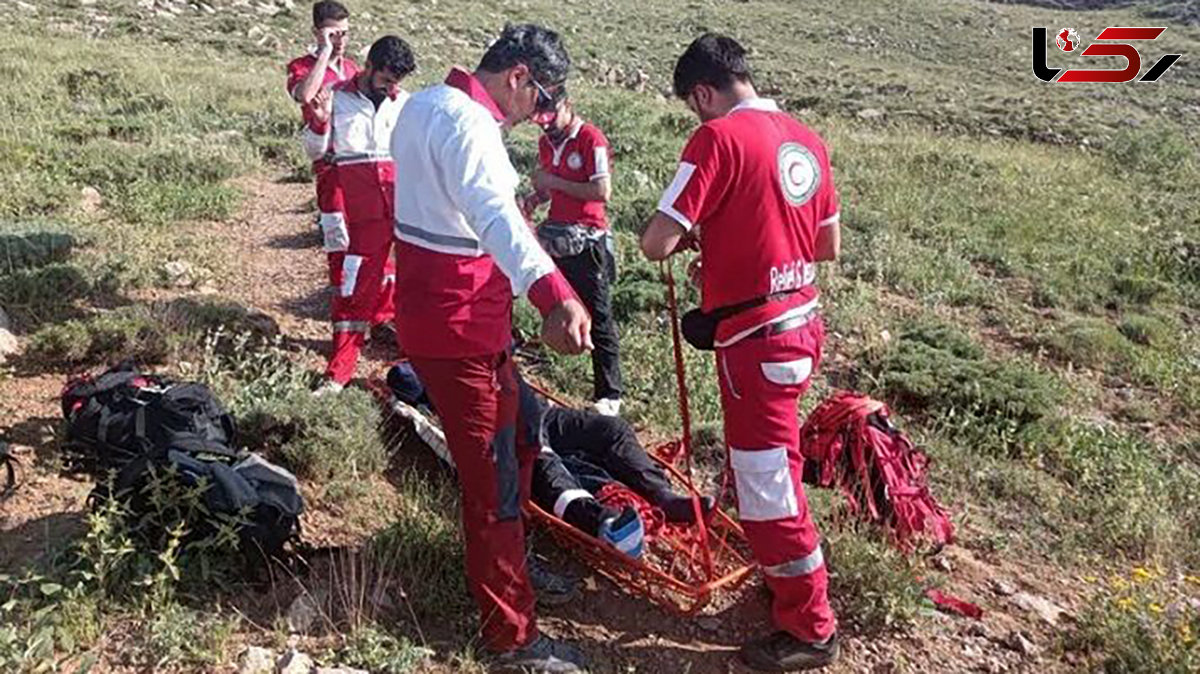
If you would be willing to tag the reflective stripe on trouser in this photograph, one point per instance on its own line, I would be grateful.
(762, 380)
(476, 397)
(364, 295)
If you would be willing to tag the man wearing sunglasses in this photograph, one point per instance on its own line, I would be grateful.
(463, 252)
(575, 177)
(755, 191)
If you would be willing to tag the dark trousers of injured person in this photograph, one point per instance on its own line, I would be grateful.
(590, 451)
(591, 273)
(477, 399)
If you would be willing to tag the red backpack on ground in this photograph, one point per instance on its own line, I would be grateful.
(850, 443)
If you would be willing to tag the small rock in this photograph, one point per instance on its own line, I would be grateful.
(1047, 610)
(977, 629)
(26, 7)
(295, 662)
(339, 670)
(941, 564)
(255, 660)
(870, 113)
(286, 4)
(303, 614)
(268, 10)
(90, 199)
(87, 3)
(8, 341)
(178, 273)
(255, 31)
(1020, 643)
(992, 666)
(1003, 588)
(972, 651)
(709, 624)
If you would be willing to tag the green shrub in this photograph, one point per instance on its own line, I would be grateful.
(34, 249)
(1090, 342)
(875, 586)
(49, 293)
(1146, 330)
(374, 649)
(132, 333)
(1147, 623)
(935, 370)
(325, 439)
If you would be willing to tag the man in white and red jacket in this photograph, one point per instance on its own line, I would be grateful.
(463, 251)
(755, 190)
(356, 141)
(310, 79)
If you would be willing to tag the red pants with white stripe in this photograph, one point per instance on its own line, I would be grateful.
(363, 296)
(476, 398)
(762, 380)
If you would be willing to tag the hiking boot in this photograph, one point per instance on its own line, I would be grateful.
(782, 652)
(677, 508)
(543, 656)
(624, 531)
(551, 588)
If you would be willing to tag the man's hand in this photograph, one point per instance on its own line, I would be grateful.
(322, 104)
(325, 38)
(544, 182)
(568, 328)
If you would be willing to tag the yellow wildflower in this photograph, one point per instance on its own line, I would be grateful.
(1194, 580)
(1141, 575)
(1125, 603)
(1156, 609)
(1091, 579)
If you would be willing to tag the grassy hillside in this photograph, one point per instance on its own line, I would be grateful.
(1020, 281)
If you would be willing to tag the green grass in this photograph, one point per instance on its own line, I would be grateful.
(1025, 300)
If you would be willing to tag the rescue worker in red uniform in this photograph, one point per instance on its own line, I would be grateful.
(356, 142)
(575, 176)
(755, 191)
(310, 79)
(463, 251)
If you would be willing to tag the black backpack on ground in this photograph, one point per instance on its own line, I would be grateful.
(124, 427)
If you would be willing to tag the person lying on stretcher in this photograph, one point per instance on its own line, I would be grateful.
(582, 453)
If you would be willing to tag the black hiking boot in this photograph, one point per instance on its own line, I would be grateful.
(543, 656)
(678, 508)
(551, 588)
(782, 652)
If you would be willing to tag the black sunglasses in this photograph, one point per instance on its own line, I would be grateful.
(545, 100)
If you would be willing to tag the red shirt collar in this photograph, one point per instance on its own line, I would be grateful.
(470, 85)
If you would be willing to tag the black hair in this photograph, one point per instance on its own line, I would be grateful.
(392, 54)
(329, 10)
(539, 48)
(712, 59)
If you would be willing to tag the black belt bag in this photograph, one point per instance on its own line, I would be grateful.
(566, 240)
(700, 329)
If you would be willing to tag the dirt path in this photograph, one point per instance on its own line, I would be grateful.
(275, 266)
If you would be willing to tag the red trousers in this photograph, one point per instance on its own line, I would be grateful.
(762, 380)
(363, 292)
(477, 400)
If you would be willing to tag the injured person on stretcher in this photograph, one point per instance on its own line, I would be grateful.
(582, 453)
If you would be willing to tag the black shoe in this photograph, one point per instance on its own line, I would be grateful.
(782, 652)
(551, 588)
(678, 508)
(544, 655)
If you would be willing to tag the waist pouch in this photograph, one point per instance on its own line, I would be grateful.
(700, 328)
(567, 240)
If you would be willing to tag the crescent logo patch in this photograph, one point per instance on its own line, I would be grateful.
(574, 161)
(799, 173)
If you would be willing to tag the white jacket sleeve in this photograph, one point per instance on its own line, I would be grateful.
(482, 184)
(316, 144)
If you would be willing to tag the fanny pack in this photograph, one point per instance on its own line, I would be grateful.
(567, 240)
(700, 329)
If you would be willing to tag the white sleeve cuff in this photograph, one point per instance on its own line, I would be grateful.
(834, 219)
(667, 203)
(678, 217)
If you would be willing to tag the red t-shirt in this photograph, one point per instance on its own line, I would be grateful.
(758, 185)
(299, 68)
(581, 158)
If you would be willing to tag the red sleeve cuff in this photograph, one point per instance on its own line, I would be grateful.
(550, 291)
(318, 126)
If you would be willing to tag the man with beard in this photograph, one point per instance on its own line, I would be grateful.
(356, 141)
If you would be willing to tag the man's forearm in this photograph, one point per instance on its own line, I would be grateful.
(311, 84)
(593, 190)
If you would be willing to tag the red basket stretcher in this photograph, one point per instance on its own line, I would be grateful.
(682, 566)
